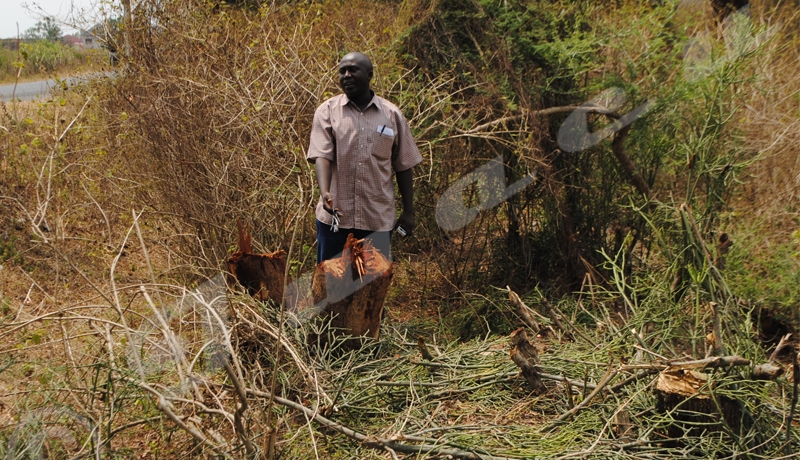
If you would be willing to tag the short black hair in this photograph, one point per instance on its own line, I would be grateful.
(360, 57)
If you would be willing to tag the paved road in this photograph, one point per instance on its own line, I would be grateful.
(31, 90)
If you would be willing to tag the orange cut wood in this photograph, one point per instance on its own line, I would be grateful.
(262, 275)
(351, 290)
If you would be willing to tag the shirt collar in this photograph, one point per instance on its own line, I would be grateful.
(375, 100)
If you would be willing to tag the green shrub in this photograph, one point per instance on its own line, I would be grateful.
(48, 55)
(9, 63)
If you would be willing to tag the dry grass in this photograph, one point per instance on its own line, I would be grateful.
(763, 219)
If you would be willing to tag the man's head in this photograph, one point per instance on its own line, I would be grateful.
(355, 73)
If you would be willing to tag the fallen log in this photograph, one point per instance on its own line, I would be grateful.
(351, 289)
(262, 275)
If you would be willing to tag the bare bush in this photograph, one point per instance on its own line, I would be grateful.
(218, 106)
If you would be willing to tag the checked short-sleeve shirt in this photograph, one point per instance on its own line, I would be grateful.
(365, 148)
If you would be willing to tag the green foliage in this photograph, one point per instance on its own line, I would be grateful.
(549, 40)
(513, 57)
(40, 58)
(10, 62)
(508, 59)
(46, 29)
(765, 268)
(48, 55)
(704, 162)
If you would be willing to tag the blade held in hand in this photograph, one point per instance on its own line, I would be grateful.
(336, 216)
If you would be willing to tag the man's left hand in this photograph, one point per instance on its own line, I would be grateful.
(406, 220)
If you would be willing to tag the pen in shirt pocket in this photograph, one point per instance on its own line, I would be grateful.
(385, 130)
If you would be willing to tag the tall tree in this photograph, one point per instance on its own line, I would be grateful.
(46, 29)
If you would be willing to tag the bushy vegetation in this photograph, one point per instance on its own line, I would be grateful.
(42, 58)
(119, 202)
(48, 55)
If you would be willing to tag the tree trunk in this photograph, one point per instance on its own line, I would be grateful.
(127, 25)
(262, 275)
(352, 289)
(686, 395)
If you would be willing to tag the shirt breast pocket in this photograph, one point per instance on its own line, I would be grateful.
(382, 145)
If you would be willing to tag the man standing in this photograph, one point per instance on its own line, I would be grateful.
(358, 141)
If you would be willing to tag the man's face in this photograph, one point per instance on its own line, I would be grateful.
(354, 76)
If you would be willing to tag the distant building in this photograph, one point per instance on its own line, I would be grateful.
(13, 43)
(9, 43)
(92, 39)
(72, 40)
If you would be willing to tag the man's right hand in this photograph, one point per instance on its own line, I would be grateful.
(327, 204)
(327, 200)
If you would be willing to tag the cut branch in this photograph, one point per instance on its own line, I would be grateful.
(718, 346)
(423, 349)
(557, 321)
(241, 432)
(554, 316)
(610, 375)
(715, 362)
(524, 311)
(618, 147)
(378, 443)
(781, 345)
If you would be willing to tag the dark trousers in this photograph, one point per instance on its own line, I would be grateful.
(330, 244)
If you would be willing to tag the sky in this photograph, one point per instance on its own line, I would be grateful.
(68, 13)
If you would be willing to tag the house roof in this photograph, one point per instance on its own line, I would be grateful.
(71, 40)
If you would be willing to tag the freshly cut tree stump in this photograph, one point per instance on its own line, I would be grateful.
(526, 358)
(350, 290)
(263, 275)
(687, 396)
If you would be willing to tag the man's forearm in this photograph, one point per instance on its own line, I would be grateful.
(405, 182)
(323, 168)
